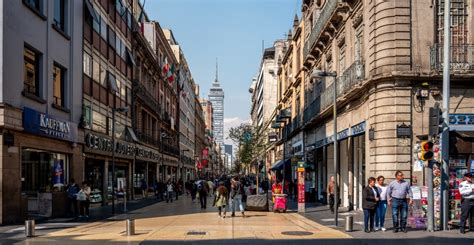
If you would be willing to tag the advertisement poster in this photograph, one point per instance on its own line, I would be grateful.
(301, 197)
(58, 173)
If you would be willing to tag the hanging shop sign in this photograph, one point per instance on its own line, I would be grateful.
(39, 123)
(403, 131)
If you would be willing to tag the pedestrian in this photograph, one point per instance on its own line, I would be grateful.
(291, 189)
(211, 187)
(169, 191)
(193, 191)
(177, 189)
(399, 197)
(72, 190)
(144, 187)
(203, 190)
(370, 198)
(220, 199)
(83, 196)
(161, 190)
(236, 193)
(330, 190)
(155, 188)
(382, 205)
(466, 188)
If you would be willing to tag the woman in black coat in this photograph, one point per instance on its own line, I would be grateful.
(370, 198)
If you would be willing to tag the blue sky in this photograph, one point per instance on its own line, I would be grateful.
(230, 30)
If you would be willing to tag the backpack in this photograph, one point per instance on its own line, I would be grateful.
(72, 191)
(200, 186)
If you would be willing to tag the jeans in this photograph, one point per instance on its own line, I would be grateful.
(369, 217)
(84, 207)
(380, 213)
(399, 212)
(467, 206)
(237, 201)
(331, 202)
(169, 196)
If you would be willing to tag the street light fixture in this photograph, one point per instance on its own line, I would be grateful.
(321, 74)
(122, 110)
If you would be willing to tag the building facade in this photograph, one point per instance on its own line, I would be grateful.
(40, 103)
(387, 56)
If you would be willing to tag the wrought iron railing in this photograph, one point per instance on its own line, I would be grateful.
(321, 21)
(462, 57)
(147, 138)
(141, 92)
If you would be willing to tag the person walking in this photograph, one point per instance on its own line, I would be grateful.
(144, 187)
(193, 190)
(220, 200)
(84, 200)
(466, 188)
(330, 190)
(72, 190)
(399, 197)
(236, 196)
(161, 190)
(210, 184)
(382, 205)
(169, 191)
(370, 198)
(203, 190)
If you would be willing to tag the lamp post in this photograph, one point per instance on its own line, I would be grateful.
(163, 136)
(320, 74)
(114, 110)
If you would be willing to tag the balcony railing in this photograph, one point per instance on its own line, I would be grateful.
(323, 18)
(350, 78)
(141, 92)
(462, 57)
(146, 138)
(169, 149)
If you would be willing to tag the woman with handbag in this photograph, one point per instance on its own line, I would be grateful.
(83, 196)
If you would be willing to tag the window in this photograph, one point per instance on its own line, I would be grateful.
(87, 64)
(96, 23)
(59, 14)
(59, 84)
(112, 38)
(103, 29)
(32, 71)
(96, 70)
(36, 6)
(86, 116)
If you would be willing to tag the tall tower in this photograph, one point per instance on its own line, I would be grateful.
(216, 96)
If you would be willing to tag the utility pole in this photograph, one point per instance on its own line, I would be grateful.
(446, 97)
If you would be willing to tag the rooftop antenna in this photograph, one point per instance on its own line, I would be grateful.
(217, 69)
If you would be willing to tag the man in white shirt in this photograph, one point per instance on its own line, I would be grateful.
(466, 188)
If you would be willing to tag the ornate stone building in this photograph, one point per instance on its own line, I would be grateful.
(387, 56)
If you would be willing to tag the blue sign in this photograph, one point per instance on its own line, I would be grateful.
(58, 173)
(358, 129)
(343, 134)
(39, 123)
(461, 119)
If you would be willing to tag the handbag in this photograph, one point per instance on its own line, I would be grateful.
(81, 196)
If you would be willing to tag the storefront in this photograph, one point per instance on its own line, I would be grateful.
(46, 151)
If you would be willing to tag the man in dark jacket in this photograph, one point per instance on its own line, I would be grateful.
(203, 190)
(370, 198)
(72, 190)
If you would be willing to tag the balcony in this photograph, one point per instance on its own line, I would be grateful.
(350, 79)
(169, 149)
(462, 58)
(146, 138)
(141, 92)
(323, 18)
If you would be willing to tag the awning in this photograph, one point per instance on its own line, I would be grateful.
(278, 165)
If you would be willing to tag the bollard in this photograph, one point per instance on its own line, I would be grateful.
(130, 227)
(349, 223)
(30, 228)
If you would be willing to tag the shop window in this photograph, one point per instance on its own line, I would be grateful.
(59, 85)
(43, 171)
(32, 71)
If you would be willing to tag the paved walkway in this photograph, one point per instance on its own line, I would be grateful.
(184, 221)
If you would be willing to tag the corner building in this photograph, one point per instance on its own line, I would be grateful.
(387, 56)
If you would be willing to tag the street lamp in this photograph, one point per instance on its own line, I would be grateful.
(122, 110)
(321, 74)
(163, 136)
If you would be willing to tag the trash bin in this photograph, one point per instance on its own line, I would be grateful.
(349, 223)
(30, 228)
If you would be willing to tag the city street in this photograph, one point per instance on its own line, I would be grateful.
(183, 221)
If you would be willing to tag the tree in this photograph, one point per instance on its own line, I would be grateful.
(251, 142)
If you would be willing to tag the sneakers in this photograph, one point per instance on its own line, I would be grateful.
(383, 229)
(377, 229)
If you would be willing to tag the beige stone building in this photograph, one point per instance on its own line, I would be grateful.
(387, 56)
